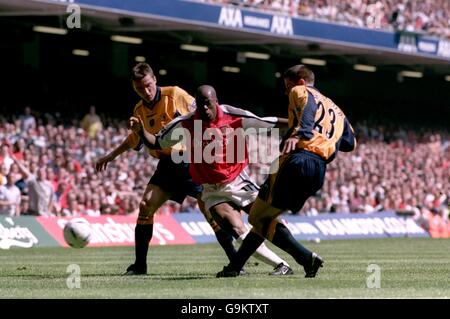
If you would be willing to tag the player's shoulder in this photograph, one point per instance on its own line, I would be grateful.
(138, 106)
(228, 108)
(299, 91)
(235, 111)
(173, 91)
(328, 102)
(184, 120)
(315, 92)
(187, 117)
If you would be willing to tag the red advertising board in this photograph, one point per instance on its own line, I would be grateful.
(109, 230)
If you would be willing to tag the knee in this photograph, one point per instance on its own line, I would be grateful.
(229, 219)
(146, 207)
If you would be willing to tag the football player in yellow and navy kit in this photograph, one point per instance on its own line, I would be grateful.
(318, 129)
(159, 106)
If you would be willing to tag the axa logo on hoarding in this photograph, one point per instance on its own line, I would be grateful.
(15, 236)
(282, 25)
(235, 18)
(231, 17)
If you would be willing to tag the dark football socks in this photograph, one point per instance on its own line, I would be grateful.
(226, 241)
(142, 236)
(283, 239)
(251, 242)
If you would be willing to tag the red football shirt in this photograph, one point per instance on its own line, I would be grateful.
(216, 150)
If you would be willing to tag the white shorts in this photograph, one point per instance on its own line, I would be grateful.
(242, 191)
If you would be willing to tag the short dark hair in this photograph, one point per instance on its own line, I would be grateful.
(298, 72)
(140, 70)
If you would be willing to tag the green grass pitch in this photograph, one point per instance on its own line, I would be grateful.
(409, 268)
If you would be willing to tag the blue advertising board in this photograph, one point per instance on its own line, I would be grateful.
(325, 226)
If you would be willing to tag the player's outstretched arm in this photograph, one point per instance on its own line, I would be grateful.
(250, 120)
(102, 162)
(282, 122)
(347, 142)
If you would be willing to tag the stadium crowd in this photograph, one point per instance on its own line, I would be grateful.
(422, 16)
(47, 168)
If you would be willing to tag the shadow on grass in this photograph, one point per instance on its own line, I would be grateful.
(197, 277)
(56, 276)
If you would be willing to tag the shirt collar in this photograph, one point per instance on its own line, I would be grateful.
(155, 100)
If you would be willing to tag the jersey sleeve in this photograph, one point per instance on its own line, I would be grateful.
(184, 102)
(307, 118)
(298, 98)
(133, 140)
(250, 120)
(347, 142)
(171, 134)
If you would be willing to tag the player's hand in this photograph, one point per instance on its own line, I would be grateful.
(289, 145)
(101, 164)
(135, 124)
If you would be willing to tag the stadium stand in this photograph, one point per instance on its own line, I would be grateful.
(430, 16)
(392, 169)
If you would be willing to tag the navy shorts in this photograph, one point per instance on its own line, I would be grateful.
(300, 175)
(175, 179)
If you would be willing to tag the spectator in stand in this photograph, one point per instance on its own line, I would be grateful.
(27, 120)
(19, 148)
(5, 158)
(72, 207)
(10, 198)
(394, 167)
(3, 174)
(91, 123)
(422, 16)
(40, 191)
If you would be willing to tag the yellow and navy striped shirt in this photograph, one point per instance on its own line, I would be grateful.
(319, 123)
